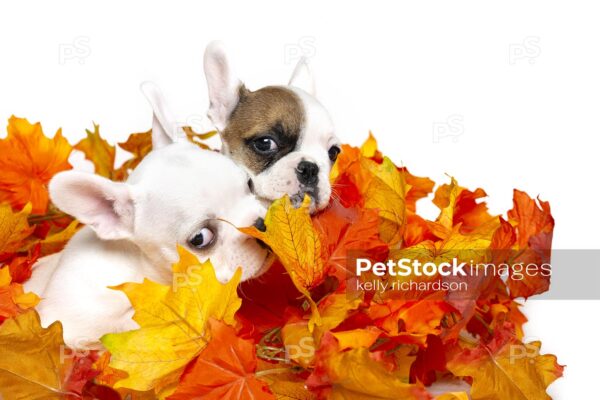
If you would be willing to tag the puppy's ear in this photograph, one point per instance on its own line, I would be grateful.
(164, 129)
(302, 77)
(106, 206)
(223, 87)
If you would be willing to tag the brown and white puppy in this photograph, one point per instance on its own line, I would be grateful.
(281, 135)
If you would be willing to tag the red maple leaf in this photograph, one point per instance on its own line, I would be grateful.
(224, 370)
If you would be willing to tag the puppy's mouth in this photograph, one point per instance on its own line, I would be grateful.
(311, 191)
(268, 260)
(263, 244)
(269, 256)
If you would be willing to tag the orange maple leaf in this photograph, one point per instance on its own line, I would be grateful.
(408, 317)
(29, 159)
(459, 207)
(347, 234)
(20, 266)
(365, 178)
(531, 218)
(13, 299)
(225, 369)
(138, 144)
(531, 228)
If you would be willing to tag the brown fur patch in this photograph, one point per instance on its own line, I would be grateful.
(272, 111)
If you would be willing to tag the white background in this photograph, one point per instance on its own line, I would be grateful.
(517, 86)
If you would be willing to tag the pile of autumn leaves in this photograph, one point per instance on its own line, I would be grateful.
(302, 331)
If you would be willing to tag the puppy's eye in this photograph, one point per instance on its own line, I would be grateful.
(265, 145)
(334, 151)
(202, 239)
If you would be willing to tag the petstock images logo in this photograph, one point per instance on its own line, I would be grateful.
(473, 274)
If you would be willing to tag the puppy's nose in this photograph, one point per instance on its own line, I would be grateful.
(308, 173)
(260, 224)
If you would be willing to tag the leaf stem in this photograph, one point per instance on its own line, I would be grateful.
(36, 219)
(272, 371)
(485, 324)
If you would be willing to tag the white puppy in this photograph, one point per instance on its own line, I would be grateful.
(281, 135)
(179, 194)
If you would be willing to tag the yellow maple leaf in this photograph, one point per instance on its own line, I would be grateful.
(32, 359)
(381, 184)
(453, 396)
(291, 235)
(14, 228)
(356, 375)
(334, 309)
(468, 248)
(173, 324)
(369, 147)
(355, 338)
(198, 138)
(285, 385)
(5, 278)
(507, 370)
(98, 151)
(387, 192)
(29, 160)
(299, 343)
(301, 338)
(445, 199)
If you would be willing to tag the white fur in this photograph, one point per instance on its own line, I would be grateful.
(317, 136)
(164, 128)
(303, 78)
(132, 231)
(222, 84)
